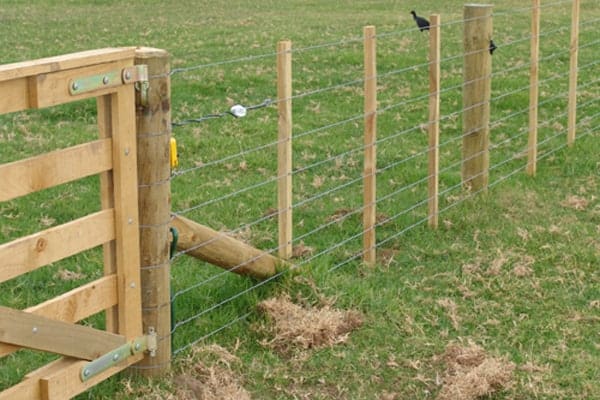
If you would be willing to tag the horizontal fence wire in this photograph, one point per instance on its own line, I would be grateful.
(359, 117)
(382, 242)
(403, 212)
(508, 151)
(354, 40)
(383, 198)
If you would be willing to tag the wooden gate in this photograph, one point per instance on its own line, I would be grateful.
(89, 355)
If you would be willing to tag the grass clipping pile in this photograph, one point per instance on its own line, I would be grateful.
(472, 374)
(294, 326)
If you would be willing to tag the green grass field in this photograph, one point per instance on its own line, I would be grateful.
(514, 269)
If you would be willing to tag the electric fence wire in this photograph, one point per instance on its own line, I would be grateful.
(269, 102)
(407, 229)
(351, 40)
(585, 120)
(347, 260)
(215, 306)
(402, 132)
(382, 110)
(493, 125)
(358, 210)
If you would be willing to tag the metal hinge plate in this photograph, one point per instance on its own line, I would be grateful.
(121, 353)
(133, 74)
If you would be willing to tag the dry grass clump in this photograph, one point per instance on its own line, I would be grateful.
(471, 373)
(306, 327)
(207, 375)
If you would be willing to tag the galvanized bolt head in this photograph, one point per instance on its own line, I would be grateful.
(138, 347)
(132, 285)
(75, 86)
(115, 356)
(127, 75)
(105, 80)
(126, 151)
(86, 372)
(34, 330)
(130, 221)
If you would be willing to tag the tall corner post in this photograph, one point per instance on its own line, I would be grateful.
(476, 95)
(153, 123)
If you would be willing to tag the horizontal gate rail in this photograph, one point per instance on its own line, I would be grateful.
(89, 355)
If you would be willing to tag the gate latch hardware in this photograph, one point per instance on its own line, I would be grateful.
(114, 357)
(133, 74)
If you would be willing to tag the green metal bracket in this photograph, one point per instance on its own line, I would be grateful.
(133, 74)
(121, 353)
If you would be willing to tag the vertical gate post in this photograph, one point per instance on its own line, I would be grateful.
(476, 95)
(153, 122)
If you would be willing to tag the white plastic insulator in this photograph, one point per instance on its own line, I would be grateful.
(238, 111)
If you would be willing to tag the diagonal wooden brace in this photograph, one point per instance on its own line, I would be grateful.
(40, 333)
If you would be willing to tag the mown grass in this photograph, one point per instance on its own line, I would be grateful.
(543, 314)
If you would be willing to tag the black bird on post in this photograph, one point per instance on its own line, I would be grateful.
(422, 23)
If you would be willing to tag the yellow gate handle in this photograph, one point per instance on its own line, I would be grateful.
(173, 153)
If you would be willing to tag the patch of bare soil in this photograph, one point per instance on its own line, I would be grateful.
(471, 373)
(306, 327)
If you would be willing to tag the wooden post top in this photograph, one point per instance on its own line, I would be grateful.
(150, 52)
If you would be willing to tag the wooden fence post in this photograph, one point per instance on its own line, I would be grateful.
(153, 120)
(284, 147)
(434, 119)
(476, 95)
(533, 88)
(572, 107)
(370, 163)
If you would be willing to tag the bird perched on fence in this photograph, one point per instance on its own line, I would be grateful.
(492, 47)
(422, 23)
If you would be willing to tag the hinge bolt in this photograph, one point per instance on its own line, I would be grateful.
(75, 86)
(105, 80)
(86, 372)
(115, 357)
